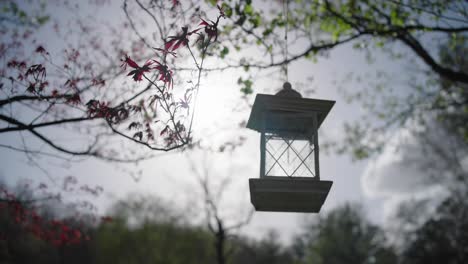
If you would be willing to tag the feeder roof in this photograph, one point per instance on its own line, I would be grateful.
(267, 105)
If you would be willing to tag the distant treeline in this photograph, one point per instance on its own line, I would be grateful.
(134, 234)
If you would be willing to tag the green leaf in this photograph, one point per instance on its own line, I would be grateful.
(328, 25)
(248, 10)
(256, 20)
(227, 9)
(307, 22)
(360, 153)
(267, 32)
(270, 48)
(22, 14)
(335, 36)
(224, 52)
(247, 88)
(248, 83)
(379, 44)
(396, 18)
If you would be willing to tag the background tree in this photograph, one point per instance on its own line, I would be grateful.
(441, 237)
(145, 230)
(407, 31)
(268, 250)
(343, 236)
(424, 234)
(222, 219)
(38, 226)
(77, 95)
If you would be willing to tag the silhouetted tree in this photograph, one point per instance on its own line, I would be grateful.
(146, 230)
(344, 235)
(269, 250)
(443, 238)
(222, 220)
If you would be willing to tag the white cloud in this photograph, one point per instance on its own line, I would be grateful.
(409, 168)
(391, 173)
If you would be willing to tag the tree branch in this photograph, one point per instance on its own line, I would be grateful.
(447, 73)
(48, 141)
(32, 126)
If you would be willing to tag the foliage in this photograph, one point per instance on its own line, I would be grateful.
(32, 210)
(327, 24)
(407, 31)
(75, 92)
(145, 229)
(452, 102)
(13, 14)
(152, 242)
(343, 236)
(159, 234)
(267, 250)
(322, 25)
(442, 238)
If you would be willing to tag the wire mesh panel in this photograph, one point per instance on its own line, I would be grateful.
(288, 157)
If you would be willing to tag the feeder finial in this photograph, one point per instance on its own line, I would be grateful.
(288, 91)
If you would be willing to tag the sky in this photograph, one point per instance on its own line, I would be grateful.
(378, 183)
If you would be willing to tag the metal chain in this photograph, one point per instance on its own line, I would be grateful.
(286, 14)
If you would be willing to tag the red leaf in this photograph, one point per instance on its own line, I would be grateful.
(106, 219)
(203, 23)
(129, 62)
(55, 223)
(74, 99)
(175, 3)
(41, 50)
(134, 125)
(139, 71)
(164, 131)
(138, 135)
(175, 42)
(169, 44)
(178, 43)
(63, 238)
(77, 233)
(65, 228)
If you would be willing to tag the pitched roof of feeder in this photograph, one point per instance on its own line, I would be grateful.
(286, 101)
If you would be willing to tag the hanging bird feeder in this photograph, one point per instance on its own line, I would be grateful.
(289, 152)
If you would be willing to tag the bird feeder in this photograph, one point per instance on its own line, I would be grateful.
(289, 152)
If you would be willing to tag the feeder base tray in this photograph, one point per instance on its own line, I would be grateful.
(286, 194)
